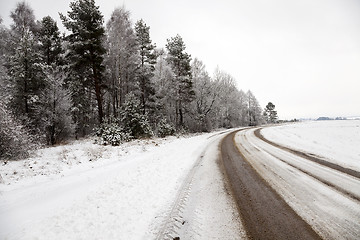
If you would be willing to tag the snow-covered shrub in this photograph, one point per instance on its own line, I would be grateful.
(164, 128)
(133, 120)
(15, 141)
(94, 154)
(55, 106)
(112, 134)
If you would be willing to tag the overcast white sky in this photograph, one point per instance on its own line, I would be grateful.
(304, 56)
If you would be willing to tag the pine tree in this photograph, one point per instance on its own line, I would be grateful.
(270, 113)
(132, 118)
(50, 41)
(86, 51)
(180, 62)
(147, 62)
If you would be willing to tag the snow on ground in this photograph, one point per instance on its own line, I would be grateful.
(318, 194)
(337, 141)
(86, 191)
(58, 161)
(211, 214)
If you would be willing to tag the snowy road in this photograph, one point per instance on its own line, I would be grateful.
(281, 194)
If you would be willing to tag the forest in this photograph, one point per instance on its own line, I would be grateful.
(106, 79)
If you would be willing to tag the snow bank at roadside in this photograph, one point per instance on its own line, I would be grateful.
(338, 141)
(59, 161)
(122, 193)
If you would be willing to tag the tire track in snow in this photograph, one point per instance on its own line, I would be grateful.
(333, 184)
(265, 214)
(309, 156)
(331, 213)
(191, 215)
(172, 224)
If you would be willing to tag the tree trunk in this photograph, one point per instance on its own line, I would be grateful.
(26, 87)
(99, 99)
(52, 135)
(97, 83)
(181, 114)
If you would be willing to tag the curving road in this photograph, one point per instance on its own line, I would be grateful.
(282, 193)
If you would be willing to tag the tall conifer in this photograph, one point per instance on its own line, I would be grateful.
(180, 62)
(86, 51)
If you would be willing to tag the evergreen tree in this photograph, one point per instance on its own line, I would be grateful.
(180, 63)
(50, 41)
(86, 51)
(132, 118)
(270, 113)
(147, 62)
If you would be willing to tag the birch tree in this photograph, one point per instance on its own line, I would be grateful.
(254, 110)
(122, 58)
(206, 96)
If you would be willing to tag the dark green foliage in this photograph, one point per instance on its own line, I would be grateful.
(52, 84)
(179, 59)
(111, 133)
(131, 124)
(165, 129)
(133, 120)
(146, 68)
(270, 113)
(180, 63)
(50, 41)
(86, 50)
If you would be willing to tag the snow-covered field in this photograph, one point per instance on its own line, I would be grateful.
(86, 191)
(337, 141)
